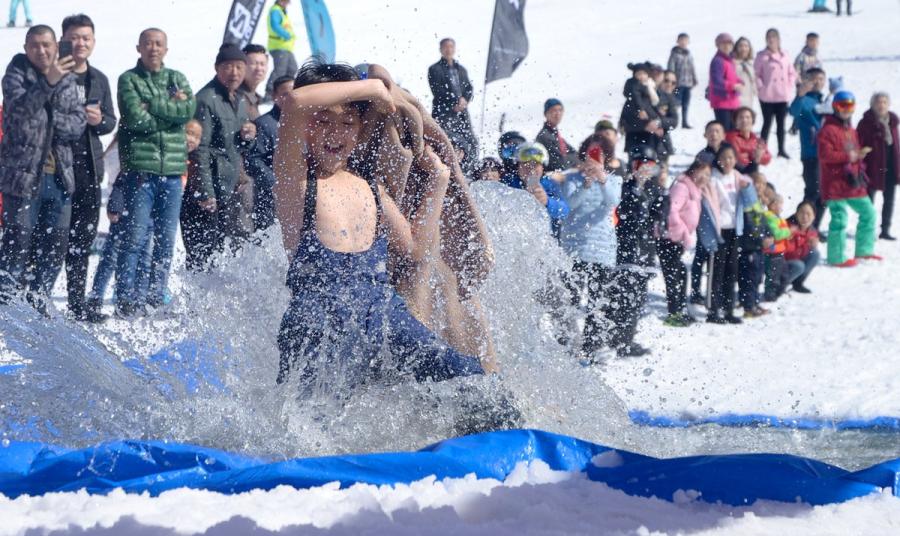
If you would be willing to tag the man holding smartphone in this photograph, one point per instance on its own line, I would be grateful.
(43, 117)
(94, 94)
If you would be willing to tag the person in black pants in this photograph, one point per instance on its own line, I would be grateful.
(628, 282)
(93, 88)
(776, 79)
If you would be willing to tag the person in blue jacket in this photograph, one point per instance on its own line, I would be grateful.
(809, 121)
(588, 234)
(531, 157)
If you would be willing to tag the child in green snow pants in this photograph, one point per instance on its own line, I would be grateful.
(837, 229)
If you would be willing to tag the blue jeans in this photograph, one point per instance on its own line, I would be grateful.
(14, 7)
(799, 270)
(109, 258)
(152, 205)
(35, 237)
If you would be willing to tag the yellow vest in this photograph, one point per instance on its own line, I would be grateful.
(275, 41)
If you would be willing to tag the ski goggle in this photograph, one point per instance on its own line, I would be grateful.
(844, 105)
(531, 154)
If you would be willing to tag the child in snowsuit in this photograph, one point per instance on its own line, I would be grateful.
(777, 274)
(754, 240)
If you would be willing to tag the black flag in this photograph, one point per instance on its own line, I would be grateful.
(509, 42)
(242, 21)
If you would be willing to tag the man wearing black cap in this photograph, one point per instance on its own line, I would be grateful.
(562, 155)
(211, 209)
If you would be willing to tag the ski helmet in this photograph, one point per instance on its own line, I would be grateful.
(843, 101)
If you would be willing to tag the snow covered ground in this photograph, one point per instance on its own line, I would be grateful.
(829, 355)
(532, 500)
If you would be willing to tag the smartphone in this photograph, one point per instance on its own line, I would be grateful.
(173, 89)
(65, 49)
(595, 153)
(92, 102)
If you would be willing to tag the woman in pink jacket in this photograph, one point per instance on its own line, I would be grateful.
(725, 86)
(776, 82)
(685, 204)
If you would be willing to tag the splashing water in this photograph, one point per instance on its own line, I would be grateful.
(205, 371)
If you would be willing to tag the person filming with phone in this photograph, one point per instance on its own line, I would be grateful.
(42, 117)
(531, 157)
(94, 93)
(155, 102)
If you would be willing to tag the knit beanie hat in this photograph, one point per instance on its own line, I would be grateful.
(229, 52)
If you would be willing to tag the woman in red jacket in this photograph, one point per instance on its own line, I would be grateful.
(878, 130)
(844, 183)
(752, 151)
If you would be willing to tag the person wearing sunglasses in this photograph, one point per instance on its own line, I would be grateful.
(844, 183)
(532, 158)
(506, 147)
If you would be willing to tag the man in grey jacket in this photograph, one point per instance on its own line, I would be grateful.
(211, 211)
(41, 110)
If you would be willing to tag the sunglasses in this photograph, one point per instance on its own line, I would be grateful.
(531, 155)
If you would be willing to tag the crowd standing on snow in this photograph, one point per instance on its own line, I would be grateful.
(204, 163)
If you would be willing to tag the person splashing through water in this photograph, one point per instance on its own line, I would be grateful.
(345, 324)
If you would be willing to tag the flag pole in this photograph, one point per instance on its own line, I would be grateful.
(486, 69)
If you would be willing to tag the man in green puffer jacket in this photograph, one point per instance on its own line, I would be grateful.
(155, 103)
(212, 210)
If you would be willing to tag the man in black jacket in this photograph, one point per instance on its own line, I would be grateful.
(96, 97)
(562, 155)
(211, 210)
(42, 116)
(259, 159)
(452, 90)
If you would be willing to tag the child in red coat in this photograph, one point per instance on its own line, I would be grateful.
(802, 253)
(844, 183)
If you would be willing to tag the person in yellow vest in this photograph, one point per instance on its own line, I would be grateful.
(281, 44)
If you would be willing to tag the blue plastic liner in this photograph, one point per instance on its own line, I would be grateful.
(882, 424)
(156, 466)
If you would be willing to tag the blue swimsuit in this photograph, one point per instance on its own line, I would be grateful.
(344, 314)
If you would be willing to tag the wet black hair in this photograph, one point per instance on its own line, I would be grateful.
(282, 80)
(315, 71)
(77, 21)
(39, 29)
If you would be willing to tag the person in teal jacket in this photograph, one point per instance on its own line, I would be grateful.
(808, 122)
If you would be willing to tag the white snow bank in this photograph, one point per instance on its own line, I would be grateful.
(533, 499)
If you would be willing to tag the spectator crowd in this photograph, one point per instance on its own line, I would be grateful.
(204, 163)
